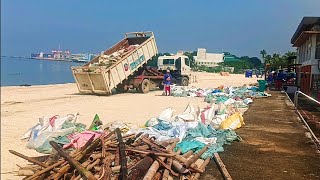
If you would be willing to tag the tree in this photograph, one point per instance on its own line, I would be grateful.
(255, 61)
(263, 54)
(268, 58)
(191, 58)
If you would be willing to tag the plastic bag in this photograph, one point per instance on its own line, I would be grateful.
(186, 146)
(217, 120)
(57, 122)
(166, 114)
(35, 143)
(234, 121)
(247, 101)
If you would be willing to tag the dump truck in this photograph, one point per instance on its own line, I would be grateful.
(123, 67)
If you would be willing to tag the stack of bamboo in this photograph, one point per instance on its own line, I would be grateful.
(115, 157)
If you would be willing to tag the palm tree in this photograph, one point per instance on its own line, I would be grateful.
(263, 54)
(268, 59)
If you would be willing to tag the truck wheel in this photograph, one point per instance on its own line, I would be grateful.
(161, 86)
(121, 88)
(145, 86)
(184, 81)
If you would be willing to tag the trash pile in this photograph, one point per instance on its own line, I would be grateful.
(169, 145)
(184, 91)
(116, 156)
(63, 130)
(108, 60)
(236, 92)
(235, 95)
(166, 146)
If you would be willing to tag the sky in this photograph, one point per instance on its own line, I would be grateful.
(242, 27)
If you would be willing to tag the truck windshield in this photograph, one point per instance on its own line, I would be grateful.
(168, 61)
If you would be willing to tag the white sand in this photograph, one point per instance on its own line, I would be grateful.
(22, 106)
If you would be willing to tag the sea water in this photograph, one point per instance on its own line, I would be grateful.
(23, 71)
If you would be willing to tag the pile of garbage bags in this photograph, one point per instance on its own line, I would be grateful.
(63, 130)
(185, 91)
(196, 127)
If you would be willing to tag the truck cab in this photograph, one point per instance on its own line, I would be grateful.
(180, 71)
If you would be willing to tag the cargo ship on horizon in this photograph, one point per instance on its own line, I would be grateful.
(59, 55)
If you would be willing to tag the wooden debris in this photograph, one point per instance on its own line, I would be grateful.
(113, 156)
(222, 167)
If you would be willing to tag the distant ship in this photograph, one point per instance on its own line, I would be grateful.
(58, 55)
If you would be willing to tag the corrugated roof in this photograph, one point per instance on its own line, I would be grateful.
(305, 24)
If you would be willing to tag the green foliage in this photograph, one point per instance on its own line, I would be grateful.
(263, 54)
(276, 60)
(191, 58)
(242, 63)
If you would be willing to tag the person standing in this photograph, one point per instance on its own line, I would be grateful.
(279, 79)
(167, 82)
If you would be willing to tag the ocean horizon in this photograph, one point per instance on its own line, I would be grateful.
(25, 71)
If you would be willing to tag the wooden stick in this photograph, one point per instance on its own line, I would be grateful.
(157, 176)
(83, 171)
(150, 152)
(155, 166)
(187, 154)
(30, 159)
(138, 141)
(140, 169)
(88, 150)
(222, 167)
(38, 173)
(195, 157)
(167, 167)
(203, 166)
(166, 172)
(123, 159)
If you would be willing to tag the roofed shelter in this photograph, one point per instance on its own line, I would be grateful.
(307, 41)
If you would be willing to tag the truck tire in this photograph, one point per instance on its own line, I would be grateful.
(144, 87)
(121, 88)
(161, 86)
(184, 81)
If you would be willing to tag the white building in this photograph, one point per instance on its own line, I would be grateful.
(208, 59)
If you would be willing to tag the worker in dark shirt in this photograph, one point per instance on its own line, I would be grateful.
(279, 79)
(167, 79)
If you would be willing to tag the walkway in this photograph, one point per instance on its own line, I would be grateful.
(275, 145)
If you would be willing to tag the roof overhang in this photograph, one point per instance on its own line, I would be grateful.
(303, 37)
(305, 25)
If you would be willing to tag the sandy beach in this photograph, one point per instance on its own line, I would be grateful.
(21, 107)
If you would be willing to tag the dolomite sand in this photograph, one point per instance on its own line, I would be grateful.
(21, 107)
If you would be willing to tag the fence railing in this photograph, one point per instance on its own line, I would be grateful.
(296, 100)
